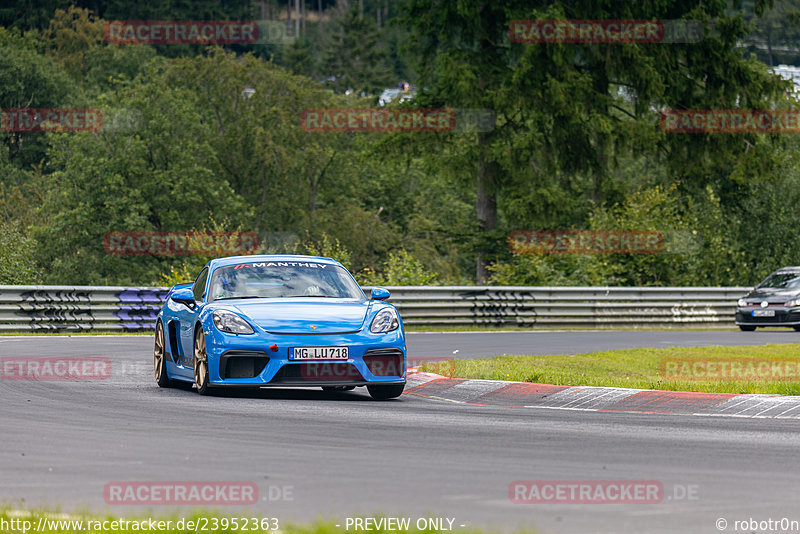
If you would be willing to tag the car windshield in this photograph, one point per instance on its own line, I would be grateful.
(283, 279)
(781, 281)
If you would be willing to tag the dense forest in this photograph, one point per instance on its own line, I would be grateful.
(208, 137)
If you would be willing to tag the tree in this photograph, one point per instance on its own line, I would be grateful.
(17, 257)
(30, 14)
(356, 59)
(156, 174)
(73, 33)
(561, 111)
(28, 79)
(775, 31)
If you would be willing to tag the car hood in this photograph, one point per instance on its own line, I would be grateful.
(771, 294)
(305, 315)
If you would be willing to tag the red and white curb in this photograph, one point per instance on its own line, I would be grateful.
(601, 399)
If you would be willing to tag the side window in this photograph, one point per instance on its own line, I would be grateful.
(200, 284)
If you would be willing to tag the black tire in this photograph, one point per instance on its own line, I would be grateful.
(386, 392)
(748, 328)
(160, 359)
(337, 388)
(201, 363)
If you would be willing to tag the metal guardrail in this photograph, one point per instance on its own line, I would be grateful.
(79, 308)
(57, 308)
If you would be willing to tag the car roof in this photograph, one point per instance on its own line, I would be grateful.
(235, 260)
(789, 269)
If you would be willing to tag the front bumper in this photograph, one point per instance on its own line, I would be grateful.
(784, 316)
(248, 361)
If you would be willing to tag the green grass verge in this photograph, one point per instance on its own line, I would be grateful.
(198, 521)
(647, 369)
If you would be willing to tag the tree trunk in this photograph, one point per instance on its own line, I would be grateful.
(769, 45)
(263, 205)
(601, 140)
(288, 17)
(297, 18)
(313, 184)
(485, 204)
(312, 202)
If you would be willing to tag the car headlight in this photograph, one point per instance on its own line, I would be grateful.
(230, 322)
(742, 302)
(794, 302)
(385, 321)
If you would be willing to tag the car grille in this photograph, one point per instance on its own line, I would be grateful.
(781, 316)
(321, 372)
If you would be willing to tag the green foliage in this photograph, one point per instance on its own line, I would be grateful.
(699, 247)
(159, 176)
(28, 79)
(211, 139)
(195, 10)
(74, 32)
(537, 270)
(30, 14)
(399, 269)
(110, 65)
(17, 261)
(31, 39)
(760, 220)
(356, 58)
(775, 31)
(326, 247)
(176, 275)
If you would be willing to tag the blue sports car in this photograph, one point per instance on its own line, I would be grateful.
(279, 321)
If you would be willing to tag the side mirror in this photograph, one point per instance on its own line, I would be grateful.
(183, 296)
(379, 293)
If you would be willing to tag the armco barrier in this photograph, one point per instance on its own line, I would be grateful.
(26, 308)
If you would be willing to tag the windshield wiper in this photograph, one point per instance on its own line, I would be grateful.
(243, 297)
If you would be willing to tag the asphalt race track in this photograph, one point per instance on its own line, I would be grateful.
(340, 455)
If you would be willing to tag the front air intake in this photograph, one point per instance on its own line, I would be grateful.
(385, 362)
(242, 364)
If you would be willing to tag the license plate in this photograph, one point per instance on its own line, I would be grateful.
(763, 313)
(318, 353)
